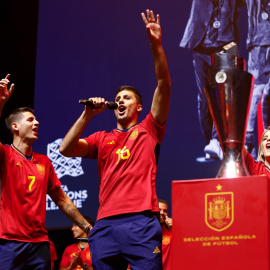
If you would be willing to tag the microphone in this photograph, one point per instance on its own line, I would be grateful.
(83, 239)
(89, 102)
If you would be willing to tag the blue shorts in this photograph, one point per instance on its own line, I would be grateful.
(24, 255)
(133, 239)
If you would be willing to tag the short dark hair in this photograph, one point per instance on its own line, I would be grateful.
(162, 201)
(16, 115)
(90, 220)
(132, 89)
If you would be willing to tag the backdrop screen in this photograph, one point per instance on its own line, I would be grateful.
(90, 48)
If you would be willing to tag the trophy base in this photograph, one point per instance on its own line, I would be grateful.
(232, 165)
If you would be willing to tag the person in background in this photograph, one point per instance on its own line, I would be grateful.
(166, 226)
(262, 165)
(258, 45)
(212, 25)
(26, 177)
(77, 256)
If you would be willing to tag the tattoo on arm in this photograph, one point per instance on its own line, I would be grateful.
(67, 207)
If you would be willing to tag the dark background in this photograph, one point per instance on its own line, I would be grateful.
(58, 52)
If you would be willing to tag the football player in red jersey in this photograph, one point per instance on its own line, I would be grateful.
(127, 230)
(26, 178)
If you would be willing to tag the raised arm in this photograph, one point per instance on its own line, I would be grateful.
(5, 93)
(161, 99)
(69, 209)
(72, 145)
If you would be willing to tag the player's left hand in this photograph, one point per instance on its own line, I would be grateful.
(152, 26)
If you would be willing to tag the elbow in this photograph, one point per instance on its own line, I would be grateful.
(70, 151)
(63, 151)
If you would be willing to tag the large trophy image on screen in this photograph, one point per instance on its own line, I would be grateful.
(228, 97)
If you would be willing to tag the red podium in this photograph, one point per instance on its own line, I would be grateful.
(221, 224)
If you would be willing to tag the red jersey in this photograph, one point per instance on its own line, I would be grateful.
(127, 164)
(166, 248)
(53, 251)
(256, 168)
(24, 184)
(67, 259)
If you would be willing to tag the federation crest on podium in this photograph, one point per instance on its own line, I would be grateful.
(219, 210)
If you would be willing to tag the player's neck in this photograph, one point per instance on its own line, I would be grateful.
(83, 245)
(123, 126)
(23, 147)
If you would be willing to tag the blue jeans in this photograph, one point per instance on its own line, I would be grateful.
(259, 67)
(202, 63)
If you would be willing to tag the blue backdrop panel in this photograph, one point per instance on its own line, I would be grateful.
(89, 48)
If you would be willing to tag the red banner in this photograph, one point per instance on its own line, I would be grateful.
(221, 224)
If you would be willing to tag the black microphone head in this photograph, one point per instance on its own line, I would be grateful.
(83, 239)
(112, 105)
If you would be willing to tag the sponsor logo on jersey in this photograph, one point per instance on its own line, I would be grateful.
(73, 254)
(19, 164)
(112, 142)
(157, 250)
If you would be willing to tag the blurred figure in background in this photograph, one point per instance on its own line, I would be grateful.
(166, 226)
(258, 45)
(212, 25)
(77, 256)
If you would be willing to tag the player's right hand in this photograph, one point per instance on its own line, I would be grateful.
(5, 93)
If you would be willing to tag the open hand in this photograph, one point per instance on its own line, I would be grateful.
(5, 93)
(152, 26)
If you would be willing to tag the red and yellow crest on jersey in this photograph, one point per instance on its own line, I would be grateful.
(88, 256)
(166, 240)
(41, 169)
(134, 134)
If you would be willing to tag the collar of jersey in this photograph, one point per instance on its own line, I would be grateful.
(19, 152)
(128, 129)
(81, 248)
(267, 168)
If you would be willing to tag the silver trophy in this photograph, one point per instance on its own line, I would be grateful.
(228, 96)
